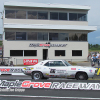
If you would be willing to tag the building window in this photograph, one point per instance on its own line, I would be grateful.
(16, 52)
(9, 13)
(83, 37)
(9, 35)
(62, 16)
(73, 37)
(20, 35)
(20, 14)
(54, 15)
(32, 35)
(45, 36)
(73, 16)
(42, 36)
(63, 36)
(82, 17)
(53, 36)
(32, 15)
(59, 52)
(77, 17)
(77, 37)
(42, 15)
(30, 52)
(76, 52)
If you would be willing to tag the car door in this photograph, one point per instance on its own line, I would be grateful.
(57, 68)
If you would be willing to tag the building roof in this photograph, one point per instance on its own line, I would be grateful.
(45, 5)
(49, 26)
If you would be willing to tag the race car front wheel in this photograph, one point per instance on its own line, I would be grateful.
(37, 75)
(81, 76)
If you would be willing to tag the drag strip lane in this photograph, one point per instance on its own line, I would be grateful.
(54, 94)
(49, 97)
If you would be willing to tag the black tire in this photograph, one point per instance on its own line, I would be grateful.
(81, 76)
(37, 75)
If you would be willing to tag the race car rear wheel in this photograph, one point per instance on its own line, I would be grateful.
(37, 75)
(81, 76)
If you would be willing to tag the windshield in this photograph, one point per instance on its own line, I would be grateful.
(67, 63)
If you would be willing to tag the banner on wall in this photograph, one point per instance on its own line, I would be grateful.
(5, 85)
(46, 45)
(30, 61)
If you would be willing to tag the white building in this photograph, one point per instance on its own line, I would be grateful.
(45, 31)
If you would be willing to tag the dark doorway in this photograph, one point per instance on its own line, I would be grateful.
(45, 54)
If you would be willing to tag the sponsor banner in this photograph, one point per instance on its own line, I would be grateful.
(49, 85)
(46, 45)
(30, 61)
(11, 70)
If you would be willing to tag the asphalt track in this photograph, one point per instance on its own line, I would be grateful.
(49, 94)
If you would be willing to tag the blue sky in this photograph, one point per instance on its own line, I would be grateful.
(93, 14)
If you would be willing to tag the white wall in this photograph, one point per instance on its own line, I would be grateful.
(37, 21)
(24, 45)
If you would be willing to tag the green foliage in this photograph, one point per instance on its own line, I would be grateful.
(0, 43)
(94, 47)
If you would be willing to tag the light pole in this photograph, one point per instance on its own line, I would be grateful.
(2, 34)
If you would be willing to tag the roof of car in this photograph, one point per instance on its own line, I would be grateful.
(50, 60)
(53, 60)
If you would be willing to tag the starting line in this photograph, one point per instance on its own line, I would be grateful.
(50, 97)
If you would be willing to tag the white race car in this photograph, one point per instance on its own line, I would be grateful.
(58, 69)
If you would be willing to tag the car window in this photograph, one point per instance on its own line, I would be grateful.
(58, 63)
(54, 63)
(47, 64)
(67, 64)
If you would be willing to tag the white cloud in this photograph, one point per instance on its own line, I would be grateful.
(98, 37)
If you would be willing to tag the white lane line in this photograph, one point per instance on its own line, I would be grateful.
(50, 97)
